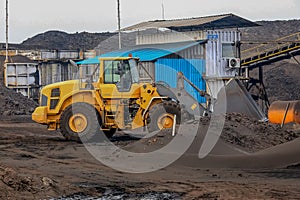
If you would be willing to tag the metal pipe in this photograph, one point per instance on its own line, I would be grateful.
(285, 113)
(163, 10)
(174, 126)
(247, 72)
(297, 61)
(119, 24)
(6, 33)
(181, 76)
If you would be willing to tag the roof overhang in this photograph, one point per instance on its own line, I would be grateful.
(146, 53)
(193, 24)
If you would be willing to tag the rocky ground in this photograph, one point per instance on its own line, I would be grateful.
(260, 163)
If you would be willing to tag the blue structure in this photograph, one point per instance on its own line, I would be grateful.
(166, 70)
(167, 63)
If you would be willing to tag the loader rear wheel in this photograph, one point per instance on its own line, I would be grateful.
(161, 116)
(79, 122)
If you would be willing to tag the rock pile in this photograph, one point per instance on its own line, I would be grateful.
(12, 103)
(239, 131)
(251, 135)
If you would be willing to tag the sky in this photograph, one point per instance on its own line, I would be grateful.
(30, 17)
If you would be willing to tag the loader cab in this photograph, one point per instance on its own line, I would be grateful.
(119, 75)
(122, 73)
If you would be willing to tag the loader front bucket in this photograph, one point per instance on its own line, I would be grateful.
(238, 100)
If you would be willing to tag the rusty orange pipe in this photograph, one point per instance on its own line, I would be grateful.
(277, 112)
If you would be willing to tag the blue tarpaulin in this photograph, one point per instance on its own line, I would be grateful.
(145, 53)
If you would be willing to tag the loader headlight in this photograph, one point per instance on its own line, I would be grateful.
(54, 99)
(53, 103)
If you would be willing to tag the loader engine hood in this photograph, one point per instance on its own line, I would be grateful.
(50, 98)
(57, 90)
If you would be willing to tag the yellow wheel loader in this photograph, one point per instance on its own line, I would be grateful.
(115, 100)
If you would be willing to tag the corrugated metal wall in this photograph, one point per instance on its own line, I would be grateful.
(66, 54)
(56, 72)
(59, 54)
(170, 37)
(166, 70)
(22, 77)
(216, 72)
(194, 52)
(150, 68)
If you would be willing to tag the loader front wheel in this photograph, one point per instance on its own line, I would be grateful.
(161, 116)
(79, 122)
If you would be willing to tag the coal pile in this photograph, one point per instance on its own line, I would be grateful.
(239, 131)
(251, 135)
(282, 81)
(12, 103)
(65, 41)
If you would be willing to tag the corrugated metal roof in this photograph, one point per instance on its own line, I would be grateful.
(149, 52)
(90, 61)
(198, 23)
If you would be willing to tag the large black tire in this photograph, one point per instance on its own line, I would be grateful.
(167, 108)
(87, 123)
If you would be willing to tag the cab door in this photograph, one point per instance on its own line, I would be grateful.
(120, 79)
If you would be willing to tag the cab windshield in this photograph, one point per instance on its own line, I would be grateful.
(123, 73)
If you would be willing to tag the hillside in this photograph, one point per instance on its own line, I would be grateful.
(270, 30)
(61, 40)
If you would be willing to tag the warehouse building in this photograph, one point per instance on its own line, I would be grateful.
(205, 49)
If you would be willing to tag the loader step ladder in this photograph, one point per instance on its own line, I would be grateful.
(274, 50)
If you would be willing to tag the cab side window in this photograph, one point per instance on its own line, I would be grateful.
(111, 72)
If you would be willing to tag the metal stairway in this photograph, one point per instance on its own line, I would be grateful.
(273, 51)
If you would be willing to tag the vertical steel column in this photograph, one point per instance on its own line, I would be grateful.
(119, 24)
(6, 32)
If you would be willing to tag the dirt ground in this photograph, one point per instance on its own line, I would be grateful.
(38, 164)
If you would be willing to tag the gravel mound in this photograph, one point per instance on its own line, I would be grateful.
(239, 131)
(252, 135)
(12, 103)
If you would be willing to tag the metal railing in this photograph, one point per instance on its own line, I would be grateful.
(271, 49)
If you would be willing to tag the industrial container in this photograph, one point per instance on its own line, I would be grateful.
(221, 48)
(23, 78)
(53, 72)
(281, 112)
(87, 54)
(66, 54)
(60, 54)
(49, 54)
